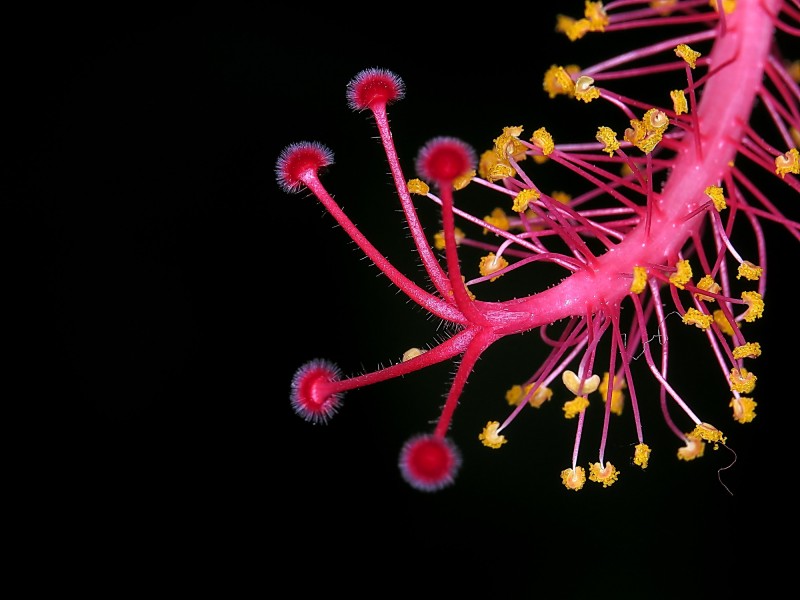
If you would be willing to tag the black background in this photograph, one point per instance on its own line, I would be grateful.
(164, 290)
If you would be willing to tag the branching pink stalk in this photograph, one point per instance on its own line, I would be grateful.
(666, 200)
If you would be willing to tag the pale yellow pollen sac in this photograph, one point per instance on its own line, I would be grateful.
(573, 479)
(585, 90)
(697, 318)
(508, 144)
(573, 383)
(709, 433)
(417, 186)
(679, 103)
(607, 475)
(438, 238)
(749, 271)
(491, 263)
(717, 197)
(489, 436)
(607, 137)
(788, 163)
(572, 408)
(639, 282)
(540, 396)
(542, 139)
(748, 350)
(682, 275)
(413, 353)
(655, 120)
(708, 284)
(524, 198)
(557, 81)
(694, 448)
(462, 181)
(498, 218)
(686, 53)
(755, 306)
(742, 380)
(641, 455)
(517, 392)
(744, 409)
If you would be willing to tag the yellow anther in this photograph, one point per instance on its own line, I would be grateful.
(717, 197)
(574, 29)
(491, 263)
(709, 433)
(606, 475)
(462, 181)
(679, 104)
(687, 54)
(498, 218)
(742, 380)
(524, 198)
(663, 7)
(708, 284)
(694, 448)
(508, 144)
(585, 90)
(655, 120)
(641, 455)
(793, 69)
(557, 82)
(516, 393)
(723, 323)
(607, 137)
(501, 171)
(788, 163)
(595, 12)
(573, 479)
(562, 197)
(744, 409)
(682, 275)
(749, 271)
(417, 186)
(639, 282)
(727, 5)
(755, 306)
(489, 436)
(574, 407)
(438, 238)
(573, 383)
(617, 395)
(413, 353)
(486, 163)
(698, 319)
(542, 139)
(748, 350)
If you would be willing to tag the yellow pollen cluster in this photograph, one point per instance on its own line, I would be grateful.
(687, 54)
(617, 396)
(639, 279)
(498, 218)
(585, 90)
(524, 198)
(595, 19)
(742, 380)
(722, 322)
(641, 455)
(744, 409)
(508, 144)
(698, 319)
(438, 238)
(679, 104)
(573, 479)
(748, 350)
(607, 137)
(417, 186)
(606, 475)
(708, 284)
(462, 181)
(694, 448)
(542, 139)
(413, 353)
(749, 271)
(727, 5)
(755, 306)
(489, 436)
(709, 433)
(647, 133)
(491, 263)
(572, 408)
(788, 163)
(715, 193)
(515, 395)
(682, 275)
(557, 80)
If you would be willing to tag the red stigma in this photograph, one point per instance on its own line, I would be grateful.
(374, 87)
(309, 397)
(443, 159)
(299, 160)
(429, 462)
